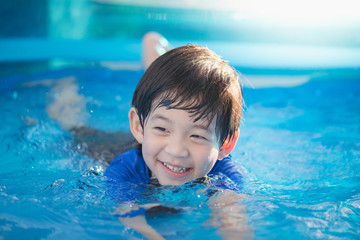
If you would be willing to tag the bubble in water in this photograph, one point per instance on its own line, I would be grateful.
(15, 95)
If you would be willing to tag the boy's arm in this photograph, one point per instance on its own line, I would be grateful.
(140, 225)
(138, 222)
(228, 214)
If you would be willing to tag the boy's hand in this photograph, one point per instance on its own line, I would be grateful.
(139, 223)
(230, 215)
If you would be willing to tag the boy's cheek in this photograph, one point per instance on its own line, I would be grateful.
(150, 146)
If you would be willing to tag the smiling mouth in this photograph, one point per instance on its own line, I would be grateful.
(175, 168)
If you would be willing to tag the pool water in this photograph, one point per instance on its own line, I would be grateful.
(299, 149)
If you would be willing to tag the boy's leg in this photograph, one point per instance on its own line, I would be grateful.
(103, 145)
(68, 108)
(154, 45)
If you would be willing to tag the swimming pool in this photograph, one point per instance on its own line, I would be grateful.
(298, 148)
(300, 134)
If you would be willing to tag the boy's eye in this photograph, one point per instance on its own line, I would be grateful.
(161, 129)
(198, 137)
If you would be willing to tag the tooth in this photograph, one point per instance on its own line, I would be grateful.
(175, 169)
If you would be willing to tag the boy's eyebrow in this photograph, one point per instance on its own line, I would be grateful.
(203, 127)
(199, 126)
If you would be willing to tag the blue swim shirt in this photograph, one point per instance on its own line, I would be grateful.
(130, 167)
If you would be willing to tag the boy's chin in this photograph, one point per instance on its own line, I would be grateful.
(172, 182)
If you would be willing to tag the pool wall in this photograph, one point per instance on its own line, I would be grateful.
(85, 30)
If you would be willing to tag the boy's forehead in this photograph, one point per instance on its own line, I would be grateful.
(193, 106)
(167, 113)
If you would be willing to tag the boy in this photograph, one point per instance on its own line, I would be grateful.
(185, 117)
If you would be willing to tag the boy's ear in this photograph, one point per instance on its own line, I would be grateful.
(135, 126)
(228, 146)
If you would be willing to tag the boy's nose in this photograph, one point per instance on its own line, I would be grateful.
(176, 147)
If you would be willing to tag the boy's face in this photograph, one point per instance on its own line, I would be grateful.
(176, 149)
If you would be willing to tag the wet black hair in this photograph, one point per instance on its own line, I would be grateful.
(194, 79)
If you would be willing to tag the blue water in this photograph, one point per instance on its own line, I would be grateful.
(298, 148)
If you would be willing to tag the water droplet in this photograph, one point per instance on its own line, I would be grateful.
(15, 95)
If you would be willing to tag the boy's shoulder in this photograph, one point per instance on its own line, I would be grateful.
(228, 168)
(128, 167)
